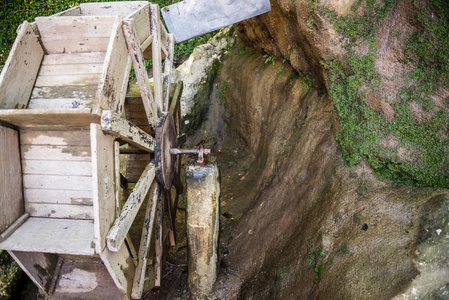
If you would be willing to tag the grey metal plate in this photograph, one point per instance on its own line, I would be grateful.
(190, 18)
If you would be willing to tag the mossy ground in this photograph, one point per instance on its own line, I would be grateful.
(361, 128)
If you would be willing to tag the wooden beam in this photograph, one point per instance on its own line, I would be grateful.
(158, 242)
(123, 223)
(144, 249)
(176, 98)
(135, 50)
(155, 25)
(14, 226)
(115, 125)
(168, 66)
(20, 71)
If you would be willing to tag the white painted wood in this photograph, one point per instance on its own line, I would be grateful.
(121, 103)
(71, 69)
(121, 226)
(141, 20)
(157, 59)
(56, 167)
(74, 11)
(11, 198)
(5, 234)
(55, 182)
(123, 8)
(32, 263)
(64, 103)
(120, 267)
(103, 184)
(117, 126)
(146, 43)
(62, 211)
(74, 58)
(20, 70)
(117, 183)
(144, 248)
(81, 153)
(52, 236)
(48, 117)
(75, 26)
(113, 79)
(61, 80)
(56, 137)
(75, 92)
(75, 44)
(168, 66)
(135, 51)
(58, 196)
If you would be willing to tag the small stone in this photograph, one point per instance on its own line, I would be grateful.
(365, 227)
(439, 231)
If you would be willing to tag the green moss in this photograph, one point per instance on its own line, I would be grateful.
(425, 141)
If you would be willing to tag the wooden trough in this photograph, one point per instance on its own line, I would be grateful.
(63, 118)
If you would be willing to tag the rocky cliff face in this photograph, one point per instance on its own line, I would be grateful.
(384, 64)
(322, 98)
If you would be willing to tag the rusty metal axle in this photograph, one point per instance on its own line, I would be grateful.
(200, 151)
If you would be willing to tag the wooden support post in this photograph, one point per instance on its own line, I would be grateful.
(115, 125)
(158, 240)
(144, 249)
(168, 65)
(155, 25)
(174, 105)
(122, 224)
(135, 51)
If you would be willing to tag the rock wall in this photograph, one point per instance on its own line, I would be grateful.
(385, 66)
(305, 225)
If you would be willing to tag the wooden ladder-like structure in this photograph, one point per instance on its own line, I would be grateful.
(65, 120)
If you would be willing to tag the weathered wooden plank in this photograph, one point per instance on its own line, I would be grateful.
(121, 268)
(74, 11)
(75, 26)
(135, 51)
(168, 66)
(61, 80)
(51, 167)
(61, 103)
(111, 8)
(115, 125)
(20, 70)
(73, 58)
(52, 236)
(13, 227)
(157, 58)
(56, 152)
(65, 91)
(75, 44)
(11, 198)
(121, 226)
(71, 69)
(58, 196)
(48, 117)
(144, 45)
(158, 241)
(103, 184)
(121, 103)
(144, 248)
(63, 211)
(38, 266)
(176, 98)
(55, 182)
(113, 80)
(141, 19)
(73, 136)
(86, 280)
